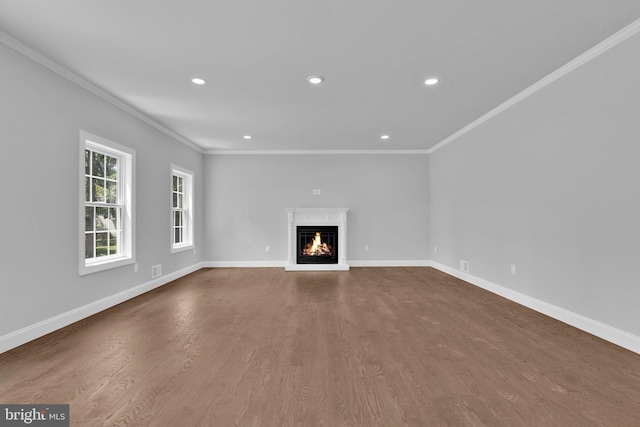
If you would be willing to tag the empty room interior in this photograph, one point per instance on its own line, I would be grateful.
(335, 213)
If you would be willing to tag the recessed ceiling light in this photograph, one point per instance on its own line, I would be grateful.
(247, 137)
(315, 80)
(431, 81)
(198, 81)
(384, 137)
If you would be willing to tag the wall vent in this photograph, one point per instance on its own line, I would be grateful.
(156, 271)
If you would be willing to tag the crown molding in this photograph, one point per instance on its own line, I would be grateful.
(93, 88)
(284, 152)
(587, 56)
(602, 47)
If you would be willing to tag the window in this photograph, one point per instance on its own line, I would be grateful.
(106, 218)
(181, 209)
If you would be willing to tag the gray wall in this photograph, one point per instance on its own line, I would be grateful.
(41, 114)
(552, 186)
(246, 197)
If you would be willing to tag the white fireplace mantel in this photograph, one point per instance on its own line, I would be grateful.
(319, 217)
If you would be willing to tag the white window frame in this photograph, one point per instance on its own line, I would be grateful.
(126, 182)
(188, 226)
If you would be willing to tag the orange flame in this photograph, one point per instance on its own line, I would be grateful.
(317, 247)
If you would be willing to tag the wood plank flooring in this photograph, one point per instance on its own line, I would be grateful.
(368, 347)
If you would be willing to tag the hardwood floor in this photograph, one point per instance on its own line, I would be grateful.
(368, 347)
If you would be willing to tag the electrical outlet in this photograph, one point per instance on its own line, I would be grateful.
(317, 191)
(513, 269)
(135, 267)
(464, 266)
(267, 249)
(366, 248)
(435, 249)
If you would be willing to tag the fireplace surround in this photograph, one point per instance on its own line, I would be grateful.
(317, 239)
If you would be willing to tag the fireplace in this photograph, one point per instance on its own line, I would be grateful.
(317, 244)
(317, 239)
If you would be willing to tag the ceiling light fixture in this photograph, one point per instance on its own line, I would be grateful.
(384, 137)
(315, 80)
(198, 81)
(247, 137)
(431, 81)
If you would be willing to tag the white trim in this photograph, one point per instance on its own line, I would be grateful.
(127, 179)
(617, 336)
(594, 327)
(183, 248)
(283, 152)
(188, 192)
(587, 56)
(93, 88)
(362, 263)
(242, 264)
(317, 267)
(390, 263)
(577, 62)
(40, 329)
(316, 217)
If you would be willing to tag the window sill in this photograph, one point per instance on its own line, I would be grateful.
(182, 248)
(95, 267)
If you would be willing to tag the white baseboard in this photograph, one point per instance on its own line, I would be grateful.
(316, 267)
(351, 263)
(40, 329)
(599, 329)
(389, 263)
(243, 264)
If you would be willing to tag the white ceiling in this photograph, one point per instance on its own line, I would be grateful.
(257, 54)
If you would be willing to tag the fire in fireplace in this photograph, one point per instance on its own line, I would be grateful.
(317, 244)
